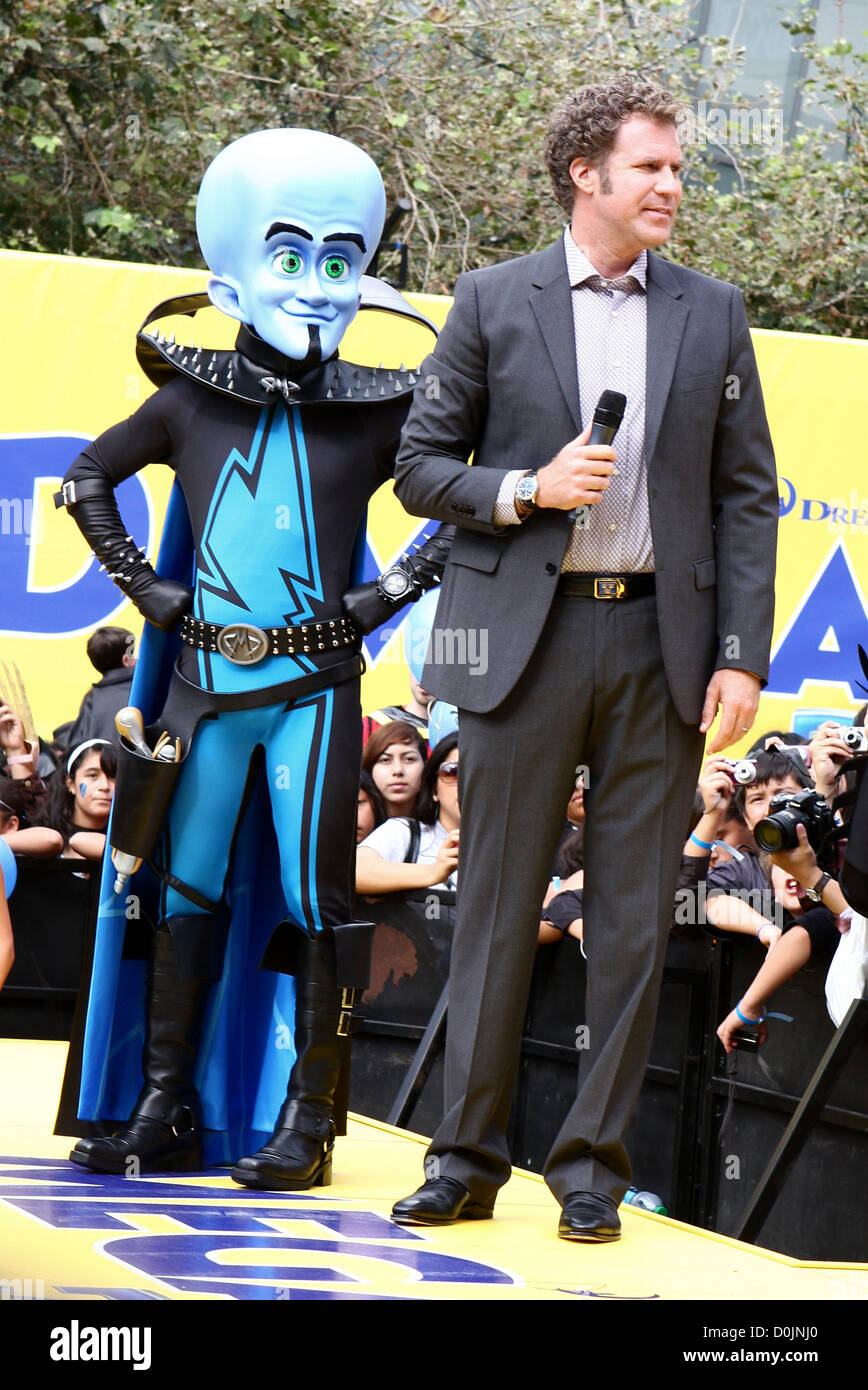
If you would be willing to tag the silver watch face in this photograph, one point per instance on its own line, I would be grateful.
(394, 583)
(526, 490)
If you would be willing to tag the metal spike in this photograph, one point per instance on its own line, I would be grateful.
(382, 390)
(198, 369)
(412, 378)
(389, 375)
(213, 378)
(367, 392)
(402, 368)
(349, 395)
(171, 340)
(213, 361)
(329, 394)
(171, 349)
(381, 366)
(398, 386)
(196, 354)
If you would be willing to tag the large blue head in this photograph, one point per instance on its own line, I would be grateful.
(288, 221)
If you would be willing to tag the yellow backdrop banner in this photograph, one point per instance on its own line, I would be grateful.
(70, 371)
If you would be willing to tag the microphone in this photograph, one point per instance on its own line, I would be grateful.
(607, 419)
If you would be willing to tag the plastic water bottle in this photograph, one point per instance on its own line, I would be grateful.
(647, 1201)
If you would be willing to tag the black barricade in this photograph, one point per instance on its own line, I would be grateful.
(409, 968)
(704, 1128)
(51, 908)
(821, 1212)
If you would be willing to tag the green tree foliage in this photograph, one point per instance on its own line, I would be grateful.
(110, 112)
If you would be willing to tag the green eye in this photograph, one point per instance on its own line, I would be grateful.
(289, 262)
(336, 268)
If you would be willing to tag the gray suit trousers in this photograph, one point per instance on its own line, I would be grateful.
(594, 694)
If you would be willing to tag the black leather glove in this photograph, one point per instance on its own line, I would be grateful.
(371, 604)
(91, 504)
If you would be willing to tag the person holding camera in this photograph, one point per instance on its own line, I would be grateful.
(784, 811)
(738, 891)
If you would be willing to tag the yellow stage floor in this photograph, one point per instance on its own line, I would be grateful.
(66, 1234)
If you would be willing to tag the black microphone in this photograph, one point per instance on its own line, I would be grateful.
(606, 422)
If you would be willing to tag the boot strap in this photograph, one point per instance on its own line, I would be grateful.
(298, 1116)
(167, 1110)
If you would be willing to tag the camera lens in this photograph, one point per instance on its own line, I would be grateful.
(772, 836)
(768, 837)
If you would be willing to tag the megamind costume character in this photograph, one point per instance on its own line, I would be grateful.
(276, 447)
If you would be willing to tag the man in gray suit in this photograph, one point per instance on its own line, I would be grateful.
(611, 639)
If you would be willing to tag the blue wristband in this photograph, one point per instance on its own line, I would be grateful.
(744, 1019)
(696, 841)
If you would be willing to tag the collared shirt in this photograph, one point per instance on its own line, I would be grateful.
(610, 326)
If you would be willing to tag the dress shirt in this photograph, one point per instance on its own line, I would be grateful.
(610, 329)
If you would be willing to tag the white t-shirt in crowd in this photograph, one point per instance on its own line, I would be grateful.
(391, 840)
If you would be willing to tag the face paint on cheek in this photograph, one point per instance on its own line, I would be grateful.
(82, 790)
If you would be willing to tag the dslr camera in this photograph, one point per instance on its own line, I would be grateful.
(787, 810)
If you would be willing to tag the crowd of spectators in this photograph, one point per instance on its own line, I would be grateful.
(789, 904)
(55, 800)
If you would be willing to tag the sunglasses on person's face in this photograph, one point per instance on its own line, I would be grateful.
(448, 770)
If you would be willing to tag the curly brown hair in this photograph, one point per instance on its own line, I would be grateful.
(586, 125)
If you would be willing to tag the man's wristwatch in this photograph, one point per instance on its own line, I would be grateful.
(816, 893)
(526, 490)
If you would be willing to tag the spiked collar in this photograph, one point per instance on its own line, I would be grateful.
(255, 372)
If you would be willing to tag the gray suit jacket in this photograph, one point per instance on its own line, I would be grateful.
(502, 384)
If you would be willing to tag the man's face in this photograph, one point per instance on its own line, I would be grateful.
(756, 799)
(629, 202)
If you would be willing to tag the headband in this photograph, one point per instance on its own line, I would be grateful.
(90, 743)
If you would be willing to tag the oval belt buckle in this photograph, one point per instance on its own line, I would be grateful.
(242, 643)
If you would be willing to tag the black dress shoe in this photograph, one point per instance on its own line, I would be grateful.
(589, 1216)
(437, 1203)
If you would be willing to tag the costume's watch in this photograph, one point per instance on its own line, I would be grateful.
(526, 492)
(816, 893)
(396, 583)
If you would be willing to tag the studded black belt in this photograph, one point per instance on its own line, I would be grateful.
(607, 585)
(245, 643)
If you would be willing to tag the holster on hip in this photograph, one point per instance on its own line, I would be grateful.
(143, 792)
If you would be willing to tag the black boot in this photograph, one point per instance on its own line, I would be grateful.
(299, 1153)
(164, 1132)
